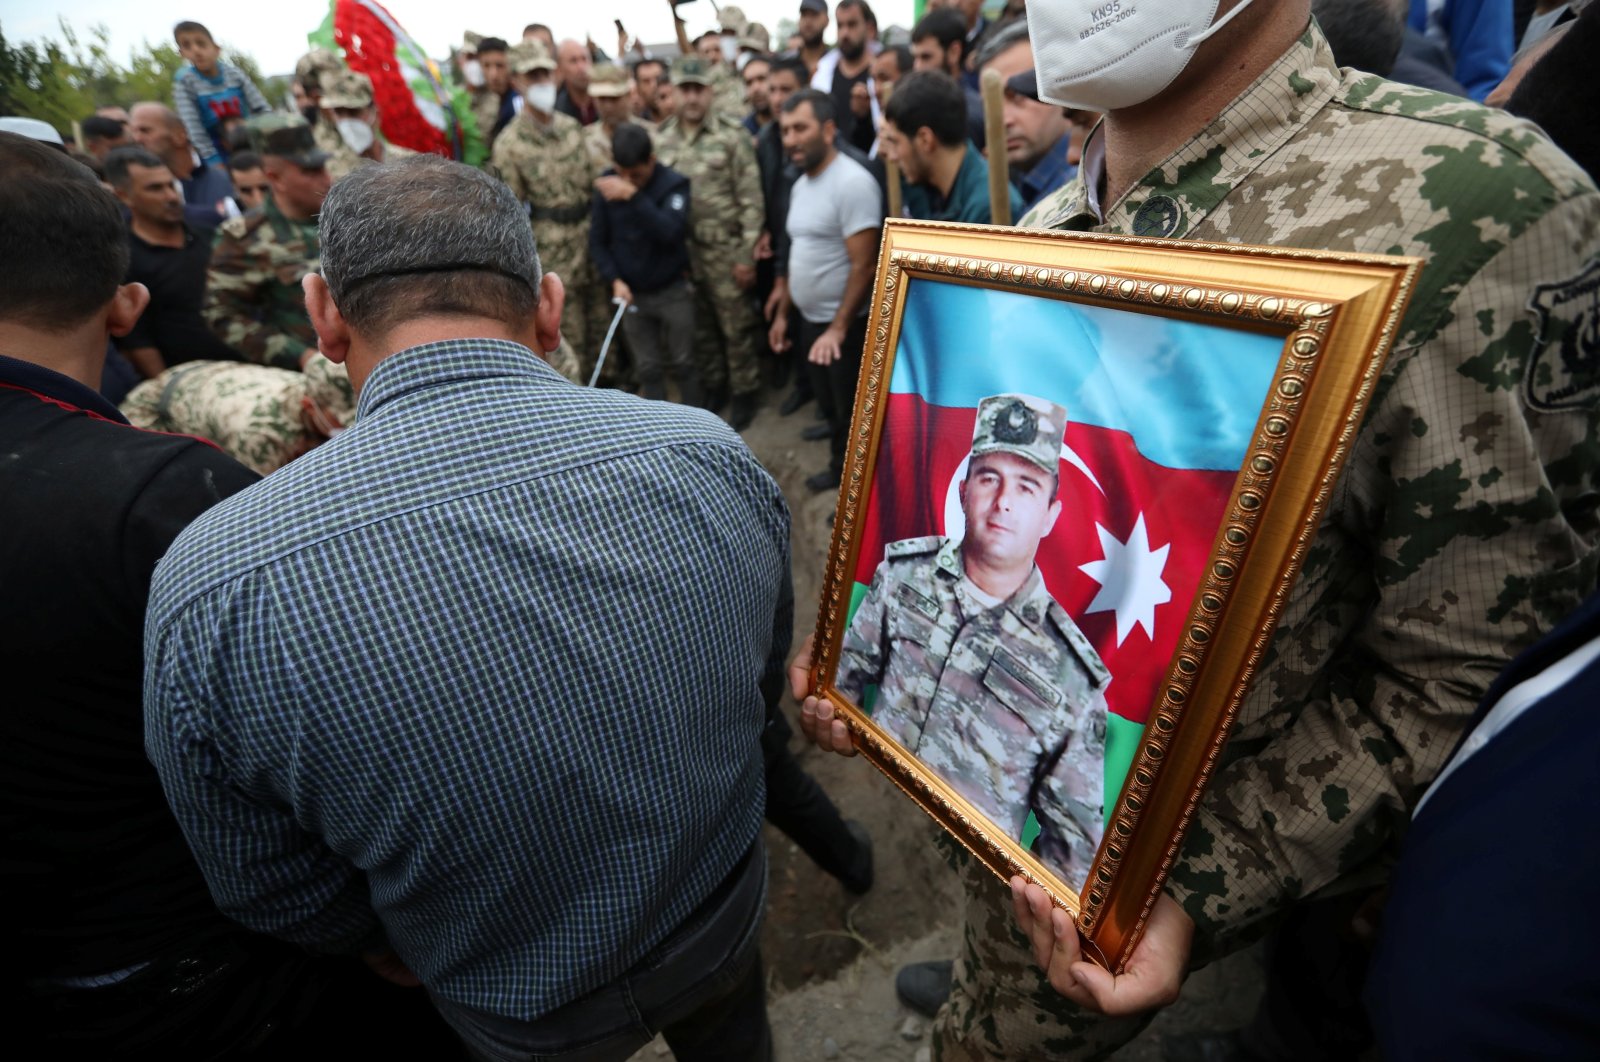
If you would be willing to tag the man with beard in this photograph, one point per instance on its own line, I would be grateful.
(845, 74)
(812, 25)
(924, 134)
(756, 69)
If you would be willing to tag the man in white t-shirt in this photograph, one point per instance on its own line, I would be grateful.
(835, 212)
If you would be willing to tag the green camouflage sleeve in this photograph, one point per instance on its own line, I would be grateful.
(503, 164)
(234, 295)
(864, 647)
(746, 178)
(1475, 477)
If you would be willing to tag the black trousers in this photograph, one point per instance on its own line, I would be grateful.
(835, 384)
(800, 808)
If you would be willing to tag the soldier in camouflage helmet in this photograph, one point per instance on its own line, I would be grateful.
(613, 98)
(716, 154)
(261, 416)
(542, 156)
(1461, 530)
(979, 673)
(253, 299)
(347, 107)
(309, 72)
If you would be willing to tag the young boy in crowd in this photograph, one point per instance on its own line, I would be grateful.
(209, 92)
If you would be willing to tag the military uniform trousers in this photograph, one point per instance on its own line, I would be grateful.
(724, 322)
(564, 250)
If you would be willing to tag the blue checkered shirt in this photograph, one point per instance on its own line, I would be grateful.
(480, 675)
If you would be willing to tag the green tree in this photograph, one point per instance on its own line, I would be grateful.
(62, 81)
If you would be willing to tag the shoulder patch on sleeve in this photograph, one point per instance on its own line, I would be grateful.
(1564, 366)
(912, 547)
(1079, 644)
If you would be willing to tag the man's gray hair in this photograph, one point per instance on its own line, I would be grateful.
(1001, 38)
(424, 236)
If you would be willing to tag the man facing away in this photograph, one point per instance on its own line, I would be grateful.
(481, 678)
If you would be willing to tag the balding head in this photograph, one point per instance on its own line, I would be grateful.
(572, 63)
(159, 130)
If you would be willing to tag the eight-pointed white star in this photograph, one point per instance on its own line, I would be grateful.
(1130, 579)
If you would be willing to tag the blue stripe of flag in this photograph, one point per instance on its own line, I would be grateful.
(1188, 393)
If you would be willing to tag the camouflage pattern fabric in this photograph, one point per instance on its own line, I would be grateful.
(725, 221)
(994, 700)
(598, 140)
(327, 137)
(262, 417)
(485, 111)
(1463, 528)
(253, 298)
(548, 167)
(727, 94)
(564, 361)
(342, 161)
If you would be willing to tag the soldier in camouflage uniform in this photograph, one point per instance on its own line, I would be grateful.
(492, 58)
(612, 95)
(310, 70)
(261, 416)
(715, 153)
(1001, 695)
(347, 96)
(542, 156)
(1462, 529)
(727, 87)
(253, 298)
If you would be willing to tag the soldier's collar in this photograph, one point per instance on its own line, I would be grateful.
(1179, 193)
(948, 559)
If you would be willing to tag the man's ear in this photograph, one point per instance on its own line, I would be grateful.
(123, 312)
(926, 142)
(547, 318)
(333, 334)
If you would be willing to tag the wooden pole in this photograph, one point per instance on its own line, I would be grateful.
(891, 169)
(994, 137)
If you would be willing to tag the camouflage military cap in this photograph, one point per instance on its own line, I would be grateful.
(756, 37)
(608, 82)
(314, 66)
(347, 89)
(526, 56)
(732, 20)
(286, 136)
(470, 42)
(690, 70)
(1028, 427)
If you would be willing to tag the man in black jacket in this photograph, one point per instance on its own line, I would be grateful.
(638, 239)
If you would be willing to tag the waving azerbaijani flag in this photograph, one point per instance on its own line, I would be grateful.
(1160, 413)
(417, 108)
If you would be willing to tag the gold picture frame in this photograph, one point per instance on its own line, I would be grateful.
(1310, 329)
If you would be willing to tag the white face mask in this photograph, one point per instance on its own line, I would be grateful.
(1102, 55)
(542, 98)
(357, 135)
(472, 70)
(730, 48)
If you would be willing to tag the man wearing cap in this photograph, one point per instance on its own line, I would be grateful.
(715, 153)
(253, 300)
(347, 107)
(727, 86)
(612, 93)
(541, 154)
(1042, 142)
(979, 673)
(811, 27)
(310, 70)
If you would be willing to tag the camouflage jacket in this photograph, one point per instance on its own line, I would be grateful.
(598, 140)
(548, 167)
(1006, 704)
(1464, 525)
(726, 212)
(253, 297)
(485, 111)
(342, 160)
(727, 93)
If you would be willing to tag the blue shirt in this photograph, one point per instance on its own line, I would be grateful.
(1048, 174)
(483, 673)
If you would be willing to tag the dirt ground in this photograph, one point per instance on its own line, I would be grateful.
(831, 957)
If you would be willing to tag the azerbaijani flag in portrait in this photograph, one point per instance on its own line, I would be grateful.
(1160, 413)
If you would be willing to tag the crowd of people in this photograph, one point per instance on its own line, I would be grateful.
(434, 619)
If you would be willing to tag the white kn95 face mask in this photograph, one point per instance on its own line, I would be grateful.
(1102, 55)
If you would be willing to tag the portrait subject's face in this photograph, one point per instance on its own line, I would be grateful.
(1009, 508)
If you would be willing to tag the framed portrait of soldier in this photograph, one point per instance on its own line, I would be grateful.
(1081, 476)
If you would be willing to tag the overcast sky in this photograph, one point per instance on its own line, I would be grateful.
(274, 31)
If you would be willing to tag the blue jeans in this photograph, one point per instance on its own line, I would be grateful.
(702, 989)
